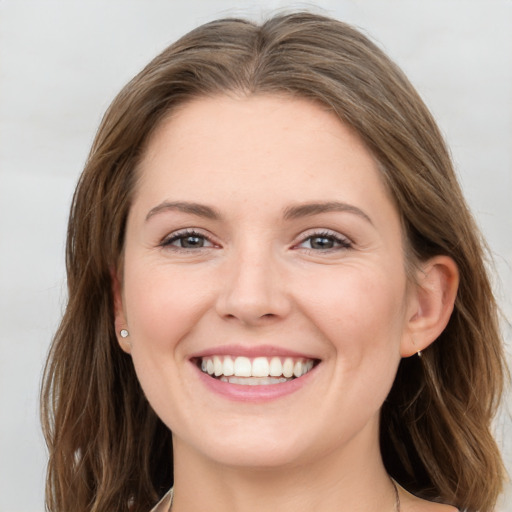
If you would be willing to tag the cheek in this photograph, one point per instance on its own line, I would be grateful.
(360, 310)
(162, 306)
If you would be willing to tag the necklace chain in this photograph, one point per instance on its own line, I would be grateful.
(397, 497)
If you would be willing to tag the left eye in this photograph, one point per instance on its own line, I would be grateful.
(324, 242)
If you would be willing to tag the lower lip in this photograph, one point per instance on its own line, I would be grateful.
(247, 393)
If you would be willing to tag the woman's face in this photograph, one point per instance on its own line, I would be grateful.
(261, 241)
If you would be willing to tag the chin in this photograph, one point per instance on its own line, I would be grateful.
(250, 450)
(257, 457)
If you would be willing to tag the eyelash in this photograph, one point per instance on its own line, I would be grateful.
(342, 242)
(339, 242)
(167, 242)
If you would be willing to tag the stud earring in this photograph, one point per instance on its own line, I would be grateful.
(124, 333)
(419, 354)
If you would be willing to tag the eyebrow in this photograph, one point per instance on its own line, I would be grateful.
(200, 210)
(290, 213)
(309, 209)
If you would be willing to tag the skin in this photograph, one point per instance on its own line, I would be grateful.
(259, 277)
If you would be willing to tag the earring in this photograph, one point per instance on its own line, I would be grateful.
(124, 333)
(419, 354)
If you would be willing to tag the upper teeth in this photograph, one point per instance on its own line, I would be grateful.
(257, 367)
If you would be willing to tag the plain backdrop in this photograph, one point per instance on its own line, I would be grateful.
(62, 62)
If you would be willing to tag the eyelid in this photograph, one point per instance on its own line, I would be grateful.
(344, 241)
(168, 239)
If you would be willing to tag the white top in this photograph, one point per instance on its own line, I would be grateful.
(164, 505)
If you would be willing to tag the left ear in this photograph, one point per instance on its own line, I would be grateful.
(431, 303)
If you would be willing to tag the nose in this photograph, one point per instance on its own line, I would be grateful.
(253, 289)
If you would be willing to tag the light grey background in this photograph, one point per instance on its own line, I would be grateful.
(61, 63)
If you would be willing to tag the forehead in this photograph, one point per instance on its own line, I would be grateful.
(257, 149)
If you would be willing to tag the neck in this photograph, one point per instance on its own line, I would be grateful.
(352, 480)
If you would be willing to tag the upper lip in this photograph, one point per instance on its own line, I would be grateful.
(251, 352)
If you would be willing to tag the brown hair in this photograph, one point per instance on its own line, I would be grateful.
(108, 450)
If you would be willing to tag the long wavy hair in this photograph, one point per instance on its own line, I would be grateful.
(108, 450)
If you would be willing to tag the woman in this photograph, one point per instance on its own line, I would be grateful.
(277, 295)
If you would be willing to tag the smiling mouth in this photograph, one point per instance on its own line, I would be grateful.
(257, 371)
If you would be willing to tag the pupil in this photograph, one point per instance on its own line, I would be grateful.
(321, 242)
(192, 241)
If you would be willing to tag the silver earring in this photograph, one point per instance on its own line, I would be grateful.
(420, 355)
(124, 333)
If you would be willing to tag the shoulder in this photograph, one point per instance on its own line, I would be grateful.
(428, 506)
(411, 503)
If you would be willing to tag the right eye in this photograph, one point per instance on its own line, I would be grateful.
(188, 240)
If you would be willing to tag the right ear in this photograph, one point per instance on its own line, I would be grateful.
(120, 323)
